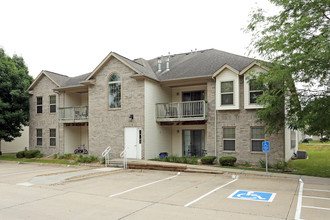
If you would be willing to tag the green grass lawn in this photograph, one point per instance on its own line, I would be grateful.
(318, 162)
(12, 157)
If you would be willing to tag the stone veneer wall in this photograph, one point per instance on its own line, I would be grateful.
(44, 120)
(106, 126)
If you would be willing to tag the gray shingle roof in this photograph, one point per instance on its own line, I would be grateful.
(199, 63)
(182, 66)
(73, 81)
(58, 78)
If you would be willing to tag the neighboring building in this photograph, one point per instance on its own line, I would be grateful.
(183, 104)
(18, 144)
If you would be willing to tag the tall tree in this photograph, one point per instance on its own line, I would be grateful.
(296, 43)
(14, 97)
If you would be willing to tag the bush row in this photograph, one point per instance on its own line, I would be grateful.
(29, 154)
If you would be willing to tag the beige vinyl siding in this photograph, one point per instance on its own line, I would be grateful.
(18, 144)
(157, 138)
(227, 76)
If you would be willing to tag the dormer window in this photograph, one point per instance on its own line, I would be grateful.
(227, 93)
(114, 91)
(255, 90)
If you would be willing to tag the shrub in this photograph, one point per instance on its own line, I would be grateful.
(192, 160)
(86, 159)
(208, 159)
(39, 155)
(227, 161)
(55, 156)
(67, 156)
(262, 164)
(281, 165)
(246, 164)
(20, 154)
(31, 153)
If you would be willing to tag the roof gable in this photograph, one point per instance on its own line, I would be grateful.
(141, 67)
(56, 78)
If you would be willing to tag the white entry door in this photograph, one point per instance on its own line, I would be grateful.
(133, 142)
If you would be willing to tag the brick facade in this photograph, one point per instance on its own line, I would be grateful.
(44, 120)
(106, 126)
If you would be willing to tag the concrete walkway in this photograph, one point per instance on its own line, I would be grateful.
(157, 165)
(60, 177)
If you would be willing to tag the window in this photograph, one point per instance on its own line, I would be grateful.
(114, 91)
(255, 90)
(52, 104)
(229, 139)
(193, 96)
(257, 137)
(52, 137)
(227, 93)
(39, 137)
(39, 104)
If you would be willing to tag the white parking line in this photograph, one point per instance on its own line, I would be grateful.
(33, 171)
(298, 209)
(212, 191)
(314, 197)
(314, 207)
(318, 190)
(148, 184)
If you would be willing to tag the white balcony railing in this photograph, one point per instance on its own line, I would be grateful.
(73, 114)
(181, 111)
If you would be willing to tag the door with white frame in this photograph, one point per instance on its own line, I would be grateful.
(133, 137)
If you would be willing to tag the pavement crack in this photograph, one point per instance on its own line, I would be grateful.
(32, 201)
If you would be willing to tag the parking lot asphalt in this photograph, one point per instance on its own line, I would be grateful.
(153, 194)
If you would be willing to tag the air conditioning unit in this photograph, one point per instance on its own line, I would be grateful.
(301, 154)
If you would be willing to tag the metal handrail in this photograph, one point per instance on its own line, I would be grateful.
(123, 155)
(182, 109)
(106, 155)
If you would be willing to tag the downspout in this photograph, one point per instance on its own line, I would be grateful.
(215, 132)
(58, 122)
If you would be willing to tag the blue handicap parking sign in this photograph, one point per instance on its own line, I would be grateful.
(252, 195)
(265, 146)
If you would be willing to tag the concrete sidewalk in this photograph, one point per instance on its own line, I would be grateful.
(157, 165)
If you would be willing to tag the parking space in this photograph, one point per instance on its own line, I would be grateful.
(314, 199)
(145, 194)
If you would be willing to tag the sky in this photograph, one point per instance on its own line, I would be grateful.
(72, 37)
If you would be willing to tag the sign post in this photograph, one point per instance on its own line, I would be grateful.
(265, 148)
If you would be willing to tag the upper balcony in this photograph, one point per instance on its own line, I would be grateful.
(182, 111)
(73, 114)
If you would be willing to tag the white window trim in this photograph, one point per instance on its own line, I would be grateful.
(250, 94)
(226, 93)
(247, 104)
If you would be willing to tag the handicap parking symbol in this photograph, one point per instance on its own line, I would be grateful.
(252, 195)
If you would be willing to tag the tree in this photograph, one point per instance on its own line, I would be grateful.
(295, 43)
(14, 97)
